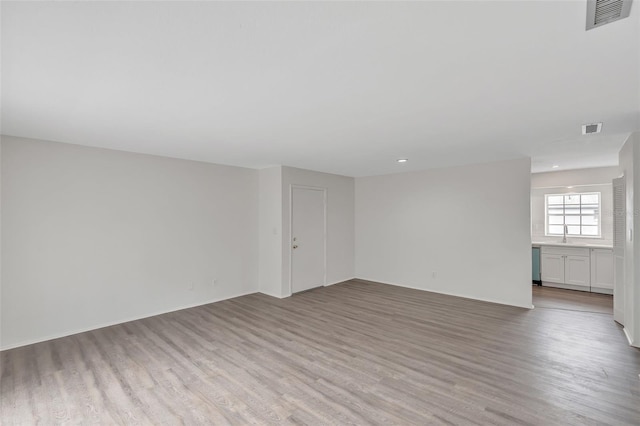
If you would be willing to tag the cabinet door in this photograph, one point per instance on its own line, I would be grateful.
(602, 268)
(552, 266)
(577, 270)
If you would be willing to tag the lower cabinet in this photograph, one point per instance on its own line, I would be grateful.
(602, 271)
(551, 268)
(577, 268)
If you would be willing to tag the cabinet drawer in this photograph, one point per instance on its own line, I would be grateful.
(566, 251)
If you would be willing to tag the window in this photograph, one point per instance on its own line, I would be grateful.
(580, 213)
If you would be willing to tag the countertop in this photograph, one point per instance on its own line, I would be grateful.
(579, 245)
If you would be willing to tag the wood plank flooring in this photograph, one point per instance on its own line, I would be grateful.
(353, 353)
(555, 298)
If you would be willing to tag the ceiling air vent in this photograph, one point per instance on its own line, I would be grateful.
(600, 12)
(588, 129)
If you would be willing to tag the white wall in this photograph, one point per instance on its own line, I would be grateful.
(92, 237)
(575, 177)
(468, 225)
(270, 276)
(340, 223)
(633, 219)
(630, 168)
(0, 245)
(583, 180)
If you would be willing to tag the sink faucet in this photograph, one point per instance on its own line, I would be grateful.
(564, 236)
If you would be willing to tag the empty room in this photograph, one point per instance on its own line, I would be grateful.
(320, 213)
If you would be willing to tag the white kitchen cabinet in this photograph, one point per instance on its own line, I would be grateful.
(577, 271)
(602, 270)
(566, 267)
(577, 268)
(552, 268)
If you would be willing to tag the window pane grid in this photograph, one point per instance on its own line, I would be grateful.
(578, 212)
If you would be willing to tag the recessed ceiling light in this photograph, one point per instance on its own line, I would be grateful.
(569, 187)
(402, 160)
(555, 166)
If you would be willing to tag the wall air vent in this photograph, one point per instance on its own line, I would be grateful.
(601, 12)
(588, 129)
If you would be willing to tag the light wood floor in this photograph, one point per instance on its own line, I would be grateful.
(353, 353)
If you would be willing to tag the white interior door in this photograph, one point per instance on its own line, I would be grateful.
(307, 238)
(619, 242)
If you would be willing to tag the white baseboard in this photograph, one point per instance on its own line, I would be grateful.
(599, 290)
(284, 296)
(340, 282)
(277, 296)
(626, 333)
(447, 293)
(109, 324)
(566, 286)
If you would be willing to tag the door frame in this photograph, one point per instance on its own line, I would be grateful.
(324, 234)
(620, 251)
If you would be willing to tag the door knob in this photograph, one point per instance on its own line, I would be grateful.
(295, 247)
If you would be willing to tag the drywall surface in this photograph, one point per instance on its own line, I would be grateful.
(634, 217)
(0, 246)
(463, 231)
(270, 225)
(575, 178)
(92, 237)
(340, 223)
(630, 168)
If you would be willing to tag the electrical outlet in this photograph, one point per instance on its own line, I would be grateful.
(192, 285)
(434, 275)
(214, 282)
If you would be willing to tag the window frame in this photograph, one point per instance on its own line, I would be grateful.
(564, 215)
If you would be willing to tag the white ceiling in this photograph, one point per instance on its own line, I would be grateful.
(337, 87)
